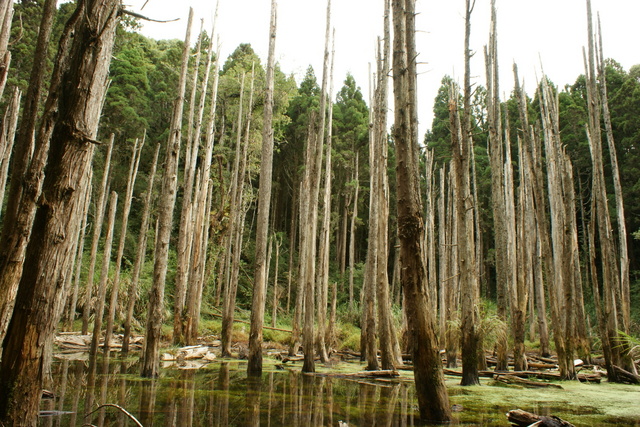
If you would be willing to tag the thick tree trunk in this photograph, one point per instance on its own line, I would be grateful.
(432, 395)
(140, 254)
(83, 75)
(254, 365)
(27, 168)
(166, 205)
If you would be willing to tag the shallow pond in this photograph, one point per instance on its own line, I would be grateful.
(220, 394)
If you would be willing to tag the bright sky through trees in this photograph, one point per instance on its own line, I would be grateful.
(553, 30)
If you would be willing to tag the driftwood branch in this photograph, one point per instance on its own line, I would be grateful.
(518, 417)
(118, 407)
(145, 18)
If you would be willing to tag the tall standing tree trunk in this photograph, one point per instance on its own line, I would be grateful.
(126, 209)
(352, 229)
(433, 399)
(100, 205)
(27, 169)
(104, 275)
(254, 365)
(7, 139)
(140, 254)
(166, 205)
(325, 232)
(49, 255)
(496, 158)
(464, 219)
(6, 14)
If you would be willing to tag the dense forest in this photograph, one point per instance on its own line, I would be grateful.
(150, 187)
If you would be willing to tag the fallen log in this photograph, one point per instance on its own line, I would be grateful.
(515, 380)
(520, 418)
(626, 376)
(536, 365)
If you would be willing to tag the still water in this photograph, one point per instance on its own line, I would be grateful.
(220, 394)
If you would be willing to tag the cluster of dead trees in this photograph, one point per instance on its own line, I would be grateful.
(538, 258)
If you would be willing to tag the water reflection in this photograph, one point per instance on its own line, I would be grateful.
(221, 394)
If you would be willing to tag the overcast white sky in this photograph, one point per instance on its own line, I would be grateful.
(554, 30)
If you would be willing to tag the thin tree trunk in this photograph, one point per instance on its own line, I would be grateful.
(7, 138)
(352, 232)
(126, 209)
(464, 212)
(325, 232)
(432, 395)
(100, 205)
(140, 254)
(6, 12)
(71, 316)
(496, 158)
(254, 365)
(166, 205)
(276, 289)
(83, 74)
(104, 275)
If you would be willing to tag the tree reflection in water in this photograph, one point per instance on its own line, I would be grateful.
(219, 394)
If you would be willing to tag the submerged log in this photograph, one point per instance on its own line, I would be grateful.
(518, 417)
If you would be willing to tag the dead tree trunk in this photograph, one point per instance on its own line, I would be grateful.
(126, 209)
(83, 73)
(254, 365)
(432, 393)
(166, 205)
(7, 138)
(104, 275)
(352, 230)
(27, 168)
(97, 231)
(140, 254)
(496, 158)
(6, 13)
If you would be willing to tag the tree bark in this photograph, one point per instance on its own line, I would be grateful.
(6, 12)
(7, 139)
(254, 365)
(166, 204)
(432, 395)
(27, 168)
(49, 254)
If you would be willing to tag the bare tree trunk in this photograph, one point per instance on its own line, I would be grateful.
(140, 254)
(83, 75)
(7, 138)
(276, 289)
(464, 213)
(100, 206)
(325, 232)
(352, 231)
(104, 275)
(126, 209)
(6, 12)
(186, 233)
(254, 365)
(433, 400)
(239, 209)
(442, 259)
(71, 316)
(166, 205)
(496, 157)
(29, 160)
(625, 291)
